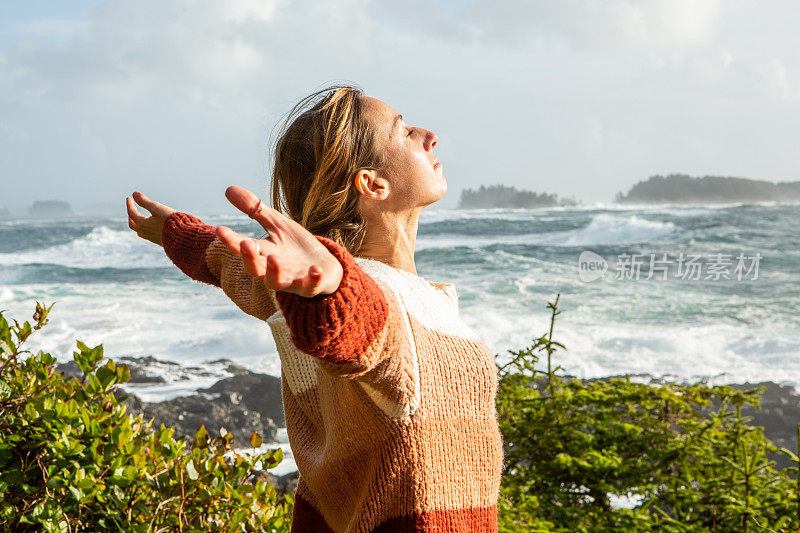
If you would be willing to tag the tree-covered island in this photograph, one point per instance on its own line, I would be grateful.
(680, 188)
(509, 196)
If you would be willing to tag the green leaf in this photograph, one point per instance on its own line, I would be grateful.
(201, 436)
(272, 458)
(5, 347)
(106, 376)
(191, 471)
(123, 374)
(255, 440)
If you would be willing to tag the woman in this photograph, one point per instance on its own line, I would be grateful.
(388, 395)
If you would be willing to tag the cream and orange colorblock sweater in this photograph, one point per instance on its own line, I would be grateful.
(388, 395)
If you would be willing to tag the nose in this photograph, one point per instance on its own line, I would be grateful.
(430, 140)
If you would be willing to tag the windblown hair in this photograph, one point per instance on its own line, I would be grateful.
(325, 141)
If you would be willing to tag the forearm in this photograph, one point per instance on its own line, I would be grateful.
(343, 326)
(349, 326)
(186, 239)
(196, 250)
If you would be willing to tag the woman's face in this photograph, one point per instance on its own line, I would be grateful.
(412, 174)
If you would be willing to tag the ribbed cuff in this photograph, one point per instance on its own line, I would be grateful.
(185, 239)
(338, 327)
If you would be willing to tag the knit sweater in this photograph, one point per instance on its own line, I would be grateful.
(388, 394)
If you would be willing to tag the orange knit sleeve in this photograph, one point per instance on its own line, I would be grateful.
(360, 332)
(357, 331)
(338, 327)
(195, 249)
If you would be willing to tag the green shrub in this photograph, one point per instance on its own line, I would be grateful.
(72, 459)
(684, 454)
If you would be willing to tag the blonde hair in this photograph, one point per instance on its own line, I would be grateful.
(325, 141)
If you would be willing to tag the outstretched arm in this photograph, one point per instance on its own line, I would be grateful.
(333, 309)
(195, 249)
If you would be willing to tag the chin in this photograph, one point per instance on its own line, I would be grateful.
(444, 187)
(438, 196)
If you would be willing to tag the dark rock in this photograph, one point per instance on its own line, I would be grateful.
(258, 392)
(230, 367)
(285, 484)
(244, 403)
(70, 369)
(779, 416)
(148, 369)
(143, 368)
(186, 414)
(139, 376)
(145, 360)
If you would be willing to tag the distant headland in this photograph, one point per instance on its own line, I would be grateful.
(680, 188)
(50, 209)
(509, 197)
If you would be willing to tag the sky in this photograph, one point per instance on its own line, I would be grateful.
(581, 98)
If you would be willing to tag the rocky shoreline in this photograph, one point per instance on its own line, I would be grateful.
(246, 401)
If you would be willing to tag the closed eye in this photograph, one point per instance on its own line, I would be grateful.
(409, 133)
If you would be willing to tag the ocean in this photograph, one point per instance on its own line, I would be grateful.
(721, 323)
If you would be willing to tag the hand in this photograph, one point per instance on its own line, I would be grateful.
(148, 228)
(291, 259)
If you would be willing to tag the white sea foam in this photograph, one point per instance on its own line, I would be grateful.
(183, 322)
(101, 248)
(602, 229)
(730, 354)
(609, 327)
(681, 206)
(6, 294)
(612, 229)
(430, 216)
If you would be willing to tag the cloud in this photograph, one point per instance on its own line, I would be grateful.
(775, 74)
(175, 48)
(579, 24)
(168, 92)
(180, 96)
(50, 29)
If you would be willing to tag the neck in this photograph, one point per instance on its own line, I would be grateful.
(390, 238)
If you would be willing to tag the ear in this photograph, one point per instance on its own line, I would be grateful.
(370, 185)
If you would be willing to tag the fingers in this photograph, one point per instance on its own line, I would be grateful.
(144, 201)
(248, 249)
(231, 239)
(247, 202)
(133, 213)
(273, 275)
(254, 263)
(155, 208)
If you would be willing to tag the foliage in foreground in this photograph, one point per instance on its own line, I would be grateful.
(72, 459)
(682, 455)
